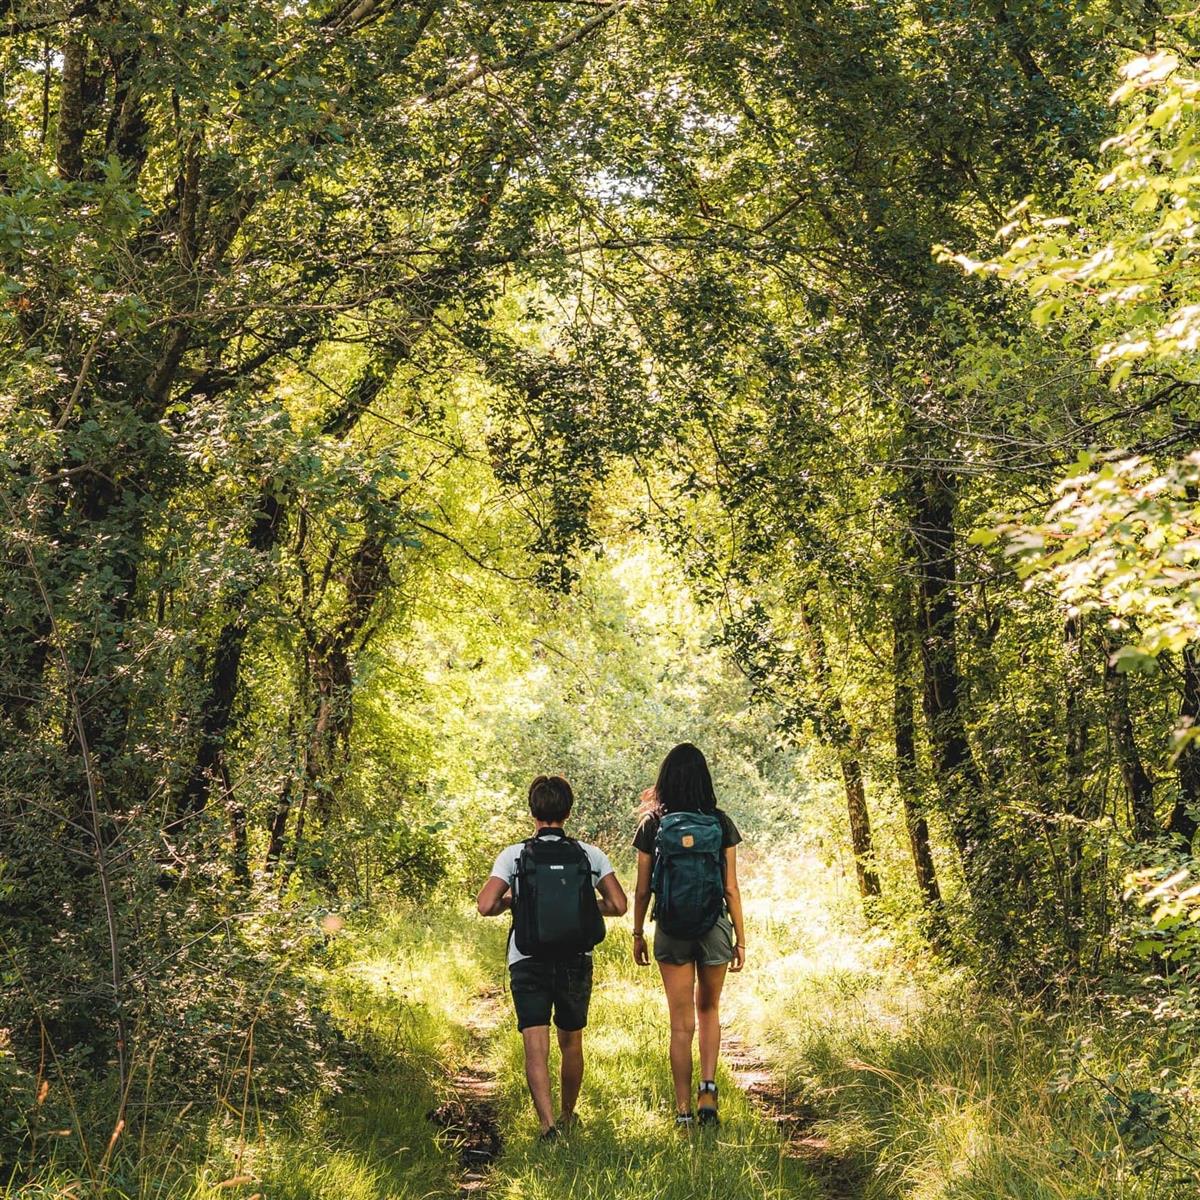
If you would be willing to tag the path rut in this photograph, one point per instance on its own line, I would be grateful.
(468, 1118)
(840, 1177)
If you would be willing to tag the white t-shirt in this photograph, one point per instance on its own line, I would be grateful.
(506, 868)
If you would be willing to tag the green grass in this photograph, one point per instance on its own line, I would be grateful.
(627, 1145)
(938, 1091)
(403, 991)
(399, 1000)
(921, 1086)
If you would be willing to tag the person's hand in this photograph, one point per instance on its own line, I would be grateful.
(739, 958)
(641, 955)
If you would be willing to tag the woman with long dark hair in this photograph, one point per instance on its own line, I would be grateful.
(687, 860)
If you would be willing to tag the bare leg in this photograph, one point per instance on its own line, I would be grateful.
(537, 1072)
(679, 981)
(570, 1042)
(709, 981)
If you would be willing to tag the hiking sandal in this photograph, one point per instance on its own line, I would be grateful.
(568, 1125)
(707, 1112)
(684, 1120)
(549, 1135)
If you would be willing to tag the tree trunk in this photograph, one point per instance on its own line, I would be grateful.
(222, 689)
(860, 830)
(837, 731)
(954, 766)
(905, 745)
(71, 108)
(1075, 798)
(1182, 822)
(277, 827)
(1138, 785)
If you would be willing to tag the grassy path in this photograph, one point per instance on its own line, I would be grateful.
(627, 1146)
(849, 1073)
(425, 994)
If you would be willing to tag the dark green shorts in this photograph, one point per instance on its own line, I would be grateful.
(540, 986)
(714, 949)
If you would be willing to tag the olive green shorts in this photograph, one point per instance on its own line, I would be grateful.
(714, 949)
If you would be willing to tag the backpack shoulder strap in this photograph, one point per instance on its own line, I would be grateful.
(521, 872)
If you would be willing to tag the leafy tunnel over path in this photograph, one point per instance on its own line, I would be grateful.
(399, 397)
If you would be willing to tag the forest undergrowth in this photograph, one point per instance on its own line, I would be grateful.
(913, 1082)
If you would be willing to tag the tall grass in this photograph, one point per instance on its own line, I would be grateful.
(940, 1091)
(924, 1087)
(397, 992)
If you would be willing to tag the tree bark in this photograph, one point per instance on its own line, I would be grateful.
(1139, 787)
(223, 680)
(1182, 822)
(72, 108)
(838, 732)
(860, 830)
(277, 829)
(1016, 42)
(905, 746)
(1075, 798)
(954, 767)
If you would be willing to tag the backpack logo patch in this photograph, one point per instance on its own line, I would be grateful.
(688, 841)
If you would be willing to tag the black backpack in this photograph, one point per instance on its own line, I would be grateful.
(555, 914)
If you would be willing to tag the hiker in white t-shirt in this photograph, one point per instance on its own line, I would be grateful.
(550, 883)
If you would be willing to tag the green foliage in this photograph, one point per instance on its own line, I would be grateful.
(401, 400)
(1120, 538)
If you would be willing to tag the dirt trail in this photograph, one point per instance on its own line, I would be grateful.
(468, 1118)
(841, 1178)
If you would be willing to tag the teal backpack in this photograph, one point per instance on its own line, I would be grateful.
(689, 874)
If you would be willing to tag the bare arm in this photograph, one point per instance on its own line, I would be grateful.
(494, 897)
(733, 901)
(613, 901)
(641, 904)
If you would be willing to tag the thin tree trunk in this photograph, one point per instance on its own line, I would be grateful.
(860, 829)
(954, 766)
(1138, 785)
(296, 844)
(1182, 822)
(224, 678)
(1016, 42)
(1075, 799)
(838, 732)
(277, 829)
(905, 746)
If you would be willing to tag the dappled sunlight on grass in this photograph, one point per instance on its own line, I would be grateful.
(939, 1091)
(627, 1145)
(898, 1074)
